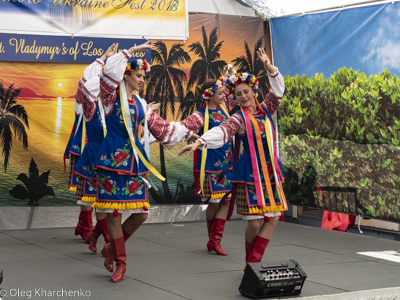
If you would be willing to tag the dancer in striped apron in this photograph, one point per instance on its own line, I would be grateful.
(257, 174)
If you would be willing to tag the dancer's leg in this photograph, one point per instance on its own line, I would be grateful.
(217, 229)
(134, 222)
(211, 210)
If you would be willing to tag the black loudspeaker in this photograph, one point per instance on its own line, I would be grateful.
(272, 279)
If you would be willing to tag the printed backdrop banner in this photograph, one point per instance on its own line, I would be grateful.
(47, 97)
(23, 47)
(166, 19)
(340, 116)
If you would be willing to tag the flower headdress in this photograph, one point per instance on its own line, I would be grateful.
(208, 93)
(232, 81)
(135, 65)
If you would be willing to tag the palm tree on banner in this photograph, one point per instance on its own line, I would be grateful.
(208, 65)
(189, 104)
(165, 86)
(250, 63)
(13, 119)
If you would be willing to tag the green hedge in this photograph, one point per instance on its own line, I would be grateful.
(320, 162)
(342, 134)
(347, 106)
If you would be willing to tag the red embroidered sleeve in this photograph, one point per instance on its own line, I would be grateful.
(88, 104)
(230, 127)
(108, 89)
(194, 122)
(220, 135)
(271, 102)
(79, 95)
(159, 128)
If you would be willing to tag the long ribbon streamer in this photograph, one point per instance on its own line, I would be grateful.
(254, 162)
(264, 167)
(79, 123)
(274, 161)
(83, 140)
(146, 126)
(275, 164)
(204, 152)
(128, 125)
(102, 115)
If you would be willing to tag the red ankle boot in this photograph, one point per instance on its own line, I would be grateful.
(104, 230)
(92, 238)
(127, 235)
(108, 255)
(249, 247)
(258, 249)
(217, 230)
(119, 255)
(209, 226)
(79, 225)
(85, 226)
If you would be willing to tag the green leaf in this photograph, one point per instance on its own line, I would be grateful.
(372, 210)
(370, 148)
(381, 201)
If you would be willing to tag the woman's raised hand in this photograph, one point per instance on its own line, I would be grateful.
(229, 70)
(190, 148)
(141, 48)
(265, 60)
(110, 51)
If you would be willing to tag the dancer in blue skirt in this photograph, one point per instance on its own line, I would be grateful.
(123, 162)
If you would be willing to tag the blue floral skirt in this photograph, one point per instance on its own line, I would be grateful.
(122, 193)
(86, 191)
(215, 191)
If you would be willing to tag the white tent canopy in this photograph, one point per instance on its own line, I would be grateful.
(277, 8)
(225, 7)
